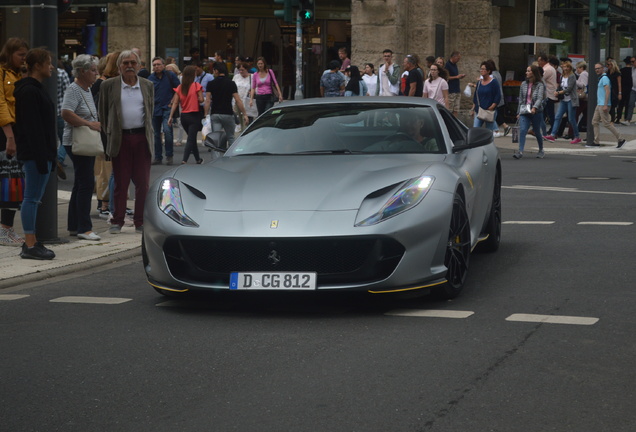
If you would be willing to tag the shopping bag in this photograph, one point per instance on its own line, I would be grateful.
(515, 133)
(11, 182)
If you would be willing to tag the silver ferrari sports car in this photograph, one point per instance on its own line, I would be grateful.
(373, 194)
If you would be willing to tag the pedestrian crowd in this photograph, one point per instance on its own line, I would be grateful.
(552, 96)
(128, 112)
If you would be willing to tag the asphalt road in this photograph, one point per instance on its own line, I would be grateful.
(541, 339)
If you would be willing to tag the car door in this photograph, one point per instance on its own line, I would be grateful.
(472, 166)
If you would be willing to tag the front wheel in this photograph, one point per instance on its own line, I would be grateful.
(457, 251)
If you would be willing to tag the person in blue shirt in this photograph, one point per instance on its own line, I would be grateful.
(165, 82)
(601, 112)
(486, 96)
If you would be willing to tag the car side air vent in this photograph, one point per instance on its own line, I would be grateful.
(382, 192)
(196, 192)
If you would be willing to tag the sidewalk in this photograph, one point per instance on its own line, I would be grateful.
(76, 254)
(607, 140)
(71, 256)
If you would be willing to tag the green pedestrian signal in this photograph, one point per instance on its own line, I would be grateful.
(307, 17)
(307, 14)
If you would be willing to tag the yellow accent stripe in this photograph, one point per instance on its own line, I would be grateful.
(409, 289)
(167, 289)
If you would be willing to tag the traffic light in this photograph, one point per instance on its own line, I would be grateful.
(307, 12)
(599, 14)
(602, 14)
(63, 5)
(287, 13)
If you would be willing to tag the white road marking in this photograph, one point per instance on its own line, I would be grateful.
(528, 222)
(91, 300)
(553, 319)
(9, 297)
(430, 313)
(573, 190)
(606, 223)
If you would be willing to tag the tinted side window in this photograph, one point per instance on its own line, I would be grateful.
(456, 129)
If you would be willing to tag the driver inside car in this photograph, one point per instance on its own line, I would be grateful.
(409, 138)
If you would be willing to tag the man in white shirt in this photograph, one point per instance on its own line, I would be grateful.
(388, 76)
(126, 105)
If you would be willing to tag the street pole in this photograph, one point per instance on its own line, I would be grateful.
(44, 33)
(299, 58)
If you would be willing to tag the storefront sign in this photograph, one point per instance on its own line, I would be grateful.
(227, 25)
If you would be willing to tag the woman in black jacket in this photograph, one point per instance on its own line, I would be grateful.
(36, 144)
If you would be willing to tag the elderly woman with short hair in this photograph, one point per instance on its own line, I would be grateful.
(78, 109)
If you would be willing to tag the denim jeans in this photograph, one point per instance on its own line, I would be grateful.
(629, 110)
(563, 107)
(35, 185)
(224, 122)
(159, 124)
(525, 121)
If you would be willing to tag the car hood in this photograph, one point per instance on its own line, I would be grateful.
(300, 183)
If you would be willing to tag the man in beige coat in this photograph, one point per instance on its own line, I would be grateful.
(126, 105)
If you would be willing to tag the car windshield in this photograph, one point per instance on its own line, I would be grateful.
(342, 129)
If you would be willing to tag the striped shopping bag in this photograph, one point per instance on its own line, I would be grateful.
(11, 182)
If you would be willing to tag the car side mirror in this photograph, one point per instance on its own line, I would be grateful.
(217, 141)
(476, 137)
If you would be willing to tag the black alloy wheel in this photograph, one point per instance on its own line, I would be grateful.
(457, 251)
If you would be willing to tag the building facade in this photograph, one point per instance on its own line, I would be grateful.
(364, 27)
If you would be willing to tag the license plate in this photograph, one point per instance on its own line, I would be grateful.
(272, 281)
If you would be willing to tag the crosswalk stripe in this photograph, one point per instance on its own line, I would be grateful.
(528, 222)
(430, 313)
(9, 297)
(90, 300)
(553, 319)
(606, 223)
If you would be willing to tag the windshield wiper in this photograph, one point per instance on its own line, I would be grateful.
(334, 151)
(256, 154)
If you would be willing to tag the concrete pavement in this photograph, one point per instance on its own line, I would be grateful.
(76, 254)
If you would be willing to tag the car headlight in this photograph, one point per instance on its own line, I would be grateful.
(409, 195)
(170, 203)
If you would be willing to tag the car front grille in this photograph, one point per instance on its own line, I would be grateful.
(336, 260)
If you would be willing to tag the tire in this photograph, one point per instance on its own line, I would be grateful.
(457, 251)
(493, 227)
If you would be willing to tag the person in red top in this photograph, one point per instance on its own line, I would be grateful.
(189, 95)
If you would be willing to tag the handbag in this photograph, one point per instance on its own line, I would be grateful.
(581, 93)
(86, 141)
(275, 93)
(11, 182)
(560, 96)
(525, 109)
(484, 114)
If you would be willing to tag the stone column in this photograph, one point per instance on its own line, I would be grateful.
(129, 27)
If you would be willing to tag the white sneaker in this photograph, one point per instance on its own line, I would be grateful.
(88, 236)
(497, 134)
(8, 237)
